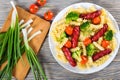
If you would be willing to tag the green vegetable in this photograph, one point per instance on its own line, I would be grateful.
(108, 35)
(85, 26)
(11, 46)
(76, 52)
(33, 60)
(2, 34)
(90, 49)
(62, 36)
(72, 16)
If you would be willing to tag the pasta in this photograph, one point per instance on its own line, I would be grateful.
(113, 46)
(95, 27)
(100, 40)
(81, 44)
(98, 46)
(84, 49)
(75, 23)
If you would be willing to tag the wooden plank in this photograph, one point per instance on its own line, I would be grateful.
(55, 72)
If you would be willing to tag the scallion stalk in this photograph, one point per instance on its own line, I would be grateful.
(11, 42)
(21, 22)
(11, 48)
(33, 60)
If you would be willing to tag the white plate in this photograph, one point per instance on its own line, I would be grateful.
(75, 69)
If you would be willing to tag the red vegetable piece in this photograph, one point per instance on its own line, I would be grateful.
(33, 8)
(69, 30)
(41, 2)
(84, 59)
(48, 15)
(96, 20)
(68, 44)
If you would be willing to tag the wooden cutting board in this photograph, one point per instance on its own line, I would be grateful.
(20, 71)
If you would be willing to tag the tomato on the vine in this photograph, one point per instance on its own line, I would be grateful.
(33, 8)
(48, 15)
(41, 2)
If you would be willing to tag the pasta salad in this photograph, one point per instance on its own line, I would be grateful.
(84, 37)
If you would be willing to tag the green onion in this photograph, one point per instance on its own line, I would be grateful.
(21, 22)
(2, 34)
(12, 47)
(27, 23)
(11, 43)
(33, 60)
(30, 29)
(36, 33)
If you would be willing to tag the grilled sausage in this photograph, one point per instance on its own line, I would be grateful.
(100, 33)
(68, 56)
(75, 36)
(91, 15)
(101, 54)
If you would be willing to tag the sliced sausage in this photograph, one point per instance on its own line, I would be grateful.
(91, 15)
(100, 54)
(100, 33)
(75, 36)
(68, 56)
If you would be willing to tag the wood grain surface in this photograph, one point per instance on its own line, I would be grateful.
(53, 70)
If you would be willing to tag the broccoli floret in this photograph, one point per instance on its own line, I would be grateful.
(85, 26)
(108, 35)
(72, 16)
(90, 49)
(62, 36)
(76, 52)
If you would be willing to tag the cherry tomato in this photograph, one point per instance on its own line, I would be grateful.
(41, 2)
(33, 8)
(68, 44)
(48, 15)
(84, 59)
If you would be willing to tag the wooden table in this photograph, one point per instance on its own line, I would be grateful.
(53, 70)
